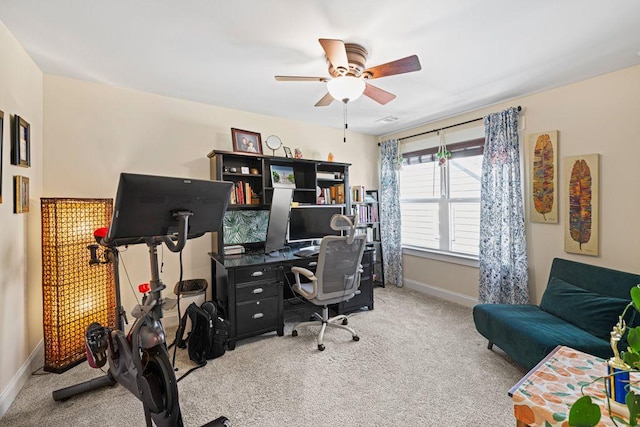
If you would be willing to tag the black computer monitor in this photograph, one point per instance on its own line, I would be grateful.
(308, 223)
(145, 205)
(278, 219)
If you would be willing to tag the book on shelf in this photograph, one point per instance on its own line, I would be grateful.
(233, 249)
(325, 175)
(242, 194)
(340, 189)
(365, 213)
(367, 232)
(333, 194)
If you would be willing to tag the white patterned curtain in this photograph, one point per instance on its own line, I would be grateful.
(503, 247)
(390, 212)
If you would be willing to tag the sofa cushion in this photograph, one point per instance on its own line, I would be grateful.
(589, 311)
(528, 334)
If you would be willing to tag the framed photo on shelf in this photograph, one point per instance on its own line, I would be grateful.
(246, 141)
(287, 152)
(283, 177)
(1, 133)
(21, 194)
(21, 143)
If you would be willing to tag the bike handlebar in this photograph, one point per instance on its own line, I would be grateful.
(183, 228)
(173, 246)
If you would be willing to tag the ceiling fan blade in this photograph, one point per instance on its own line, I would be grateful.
(400, 66)
(301, 79)
(336, 53)
(324, 101)
(378, 95)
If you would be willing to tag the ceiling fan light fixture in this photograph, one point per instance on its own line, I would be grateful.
(346, 88)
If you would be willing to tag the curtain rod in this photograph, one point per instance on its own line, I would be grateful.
(446, 127)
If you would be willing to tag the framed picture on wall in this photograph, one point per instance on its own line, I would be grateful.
(1, 133)
(246, 141)
(581, 204)
(21, 194)
(21, 142)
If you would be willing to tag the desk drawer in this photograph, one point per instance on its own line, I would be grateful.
(309, 264)
(254, 316)
(254, 274)
(256, 290)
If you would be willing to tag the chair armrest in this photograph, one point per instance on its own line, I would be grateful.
(297, 271)
(307, 273)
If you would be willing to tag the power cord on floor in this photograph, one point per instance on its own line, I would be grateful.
(41, 368)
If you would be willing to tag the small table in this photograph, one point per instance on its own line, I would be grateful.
(544, 396)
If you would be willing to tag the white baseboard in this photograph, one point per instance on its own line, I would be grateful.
(444, 294)
(20, 378)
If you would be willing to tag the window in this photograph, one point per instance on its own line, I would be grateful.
(440, 206)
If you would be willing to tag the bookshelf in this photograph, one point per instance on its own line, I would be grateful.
(312, 178)
(316, 182)
(365, 205)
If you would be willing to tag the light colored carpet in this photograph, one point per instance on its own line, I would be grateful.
(419, 362)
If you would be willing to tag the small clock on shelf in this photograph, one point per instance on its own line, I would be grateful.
(273, 142)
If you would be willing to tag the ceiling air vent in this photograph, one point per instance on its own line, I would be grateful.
(387, 119)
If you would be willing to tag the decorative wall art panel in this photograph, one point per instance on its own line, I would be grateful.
(581, 187)
(543, 167)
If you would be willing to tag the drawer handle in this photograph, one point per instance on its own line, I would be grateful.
(257, 274)
(313, 264)
(257, 316)
(257, 291)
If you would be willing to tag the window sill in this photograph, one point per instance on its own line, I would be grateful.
(468, 260)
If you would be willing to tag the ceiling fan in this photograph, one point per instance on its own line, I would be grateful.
(347, 68)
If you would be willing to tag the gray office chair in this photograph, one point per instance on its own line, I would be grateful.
(337, 276)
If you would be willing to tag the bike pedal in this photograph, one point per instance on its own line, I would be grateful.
(95, 344)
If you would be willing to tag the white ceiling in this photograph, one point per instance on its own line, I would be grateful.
(473, 53)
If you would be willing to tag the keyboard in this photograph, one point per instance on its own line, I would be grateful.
(307, 252)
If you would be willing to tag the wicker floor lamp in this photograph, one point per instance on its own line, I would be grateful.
(74, 293)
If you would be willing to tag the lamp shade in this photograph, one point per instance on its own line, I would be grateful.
(346, 88)
(74, 293)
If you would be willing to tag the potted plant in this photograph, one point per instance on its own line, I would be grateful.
(585, 413)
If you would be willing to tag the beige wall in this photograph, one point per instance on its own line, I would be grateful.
(95, 132)
(20, 262)
(598, 115)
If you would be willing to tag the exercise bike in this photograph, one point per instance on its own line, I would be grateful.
(139, 360)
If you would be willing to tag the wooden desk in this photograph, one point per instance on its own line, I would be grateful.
(250, 287)
(544, 396)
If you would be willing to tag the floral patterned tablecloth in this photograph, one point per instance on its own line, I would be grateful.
(544, 396)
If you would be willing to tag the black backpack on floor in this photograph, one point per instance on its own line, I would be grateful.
(209, 332)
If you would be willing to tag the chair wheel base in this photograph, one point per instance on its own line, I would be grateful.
(356, 338)
(321, 347)
(294, 333)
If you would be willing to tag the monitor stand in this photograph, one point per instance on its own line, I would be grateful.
(277, 253)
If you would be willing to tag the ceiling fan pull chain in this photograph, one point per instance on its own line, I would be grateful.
(344, 131)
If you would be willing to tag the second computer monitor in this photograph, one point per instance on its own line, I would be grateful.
(309, 223)
(278, 219)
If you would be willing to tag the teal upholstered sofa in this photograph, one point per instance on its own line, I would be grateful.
(578, 309)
